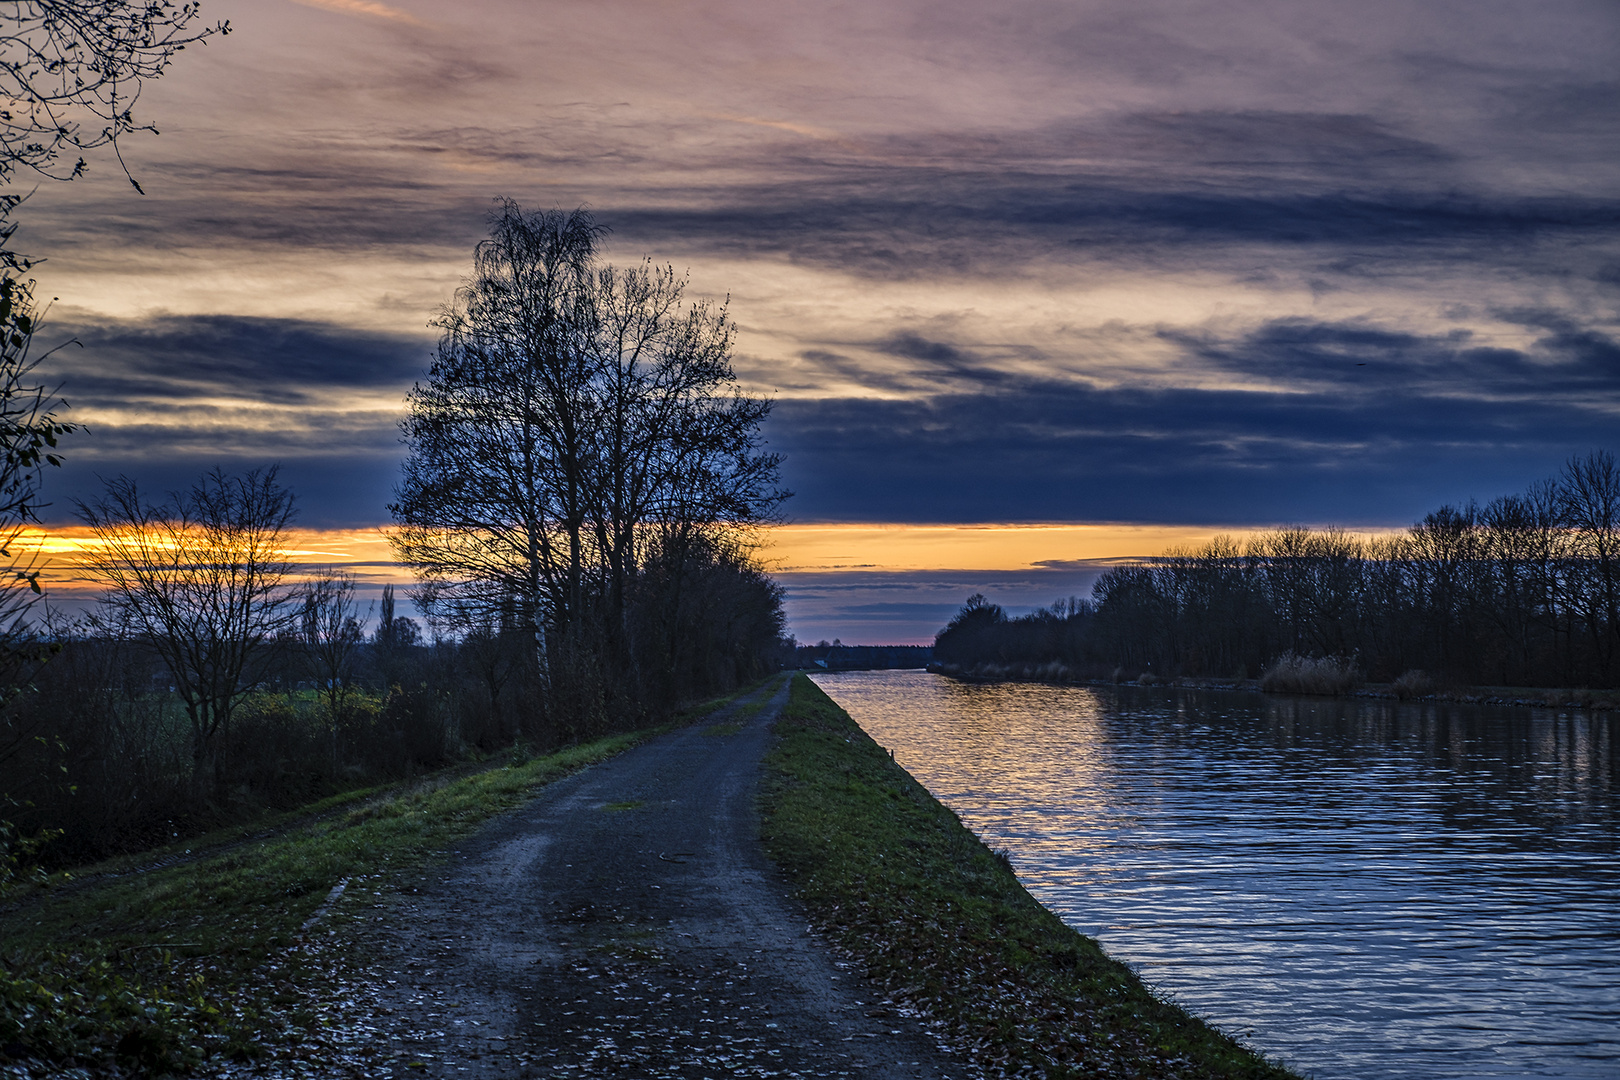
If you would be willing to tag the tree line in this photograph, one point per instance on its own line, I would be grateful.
(578, 501)
(1523, 591)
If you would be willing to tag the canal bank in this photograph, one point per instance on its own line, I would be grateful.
(898, 885)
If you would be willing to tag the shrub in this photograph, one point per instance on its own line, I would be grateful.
(1413, 684)
(1295, 674)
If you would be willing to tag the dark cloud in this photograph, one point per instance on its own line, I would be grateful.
(1347, 422)
(1571, 367)
(333, 492)
(1423, 422)
(275, 361)
(1134, 187)
(931, 222)
(162, 400)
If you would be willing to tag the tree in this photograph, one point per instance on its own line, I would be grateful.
(573, 412)
(201, 577)
(71, 72)
(393, 642)
(29, 429)
(491, 506)
(1589, 506)
(331, 634)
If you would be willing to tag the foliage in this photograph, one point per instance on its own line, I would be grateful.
(30, 426)
(1412, 684)
(67, 62)
(943, 925)
(331, 635)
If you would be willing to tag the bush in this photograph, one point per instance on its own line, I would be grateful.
(1295, 674)
(1413, 684)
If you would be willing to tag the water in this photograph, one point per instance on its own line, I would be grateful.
(1363, 889)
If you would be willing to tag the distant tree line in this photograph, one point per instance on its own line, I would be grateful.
(1524, 591)
(841, 657)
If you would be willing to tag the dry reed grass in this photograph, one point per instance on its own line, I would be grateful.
(1326, 675)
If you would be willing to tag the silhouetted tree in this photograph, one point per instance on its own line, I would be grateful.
(71, 72)
(393, 643)
(330, 634)
(201, 578)
(573, 412)
(1589, 508)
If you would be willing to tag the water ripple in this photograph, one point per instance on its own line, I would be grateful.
(1361, 888)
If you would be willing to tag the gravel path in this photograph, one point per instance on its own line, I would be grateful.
(627, 924)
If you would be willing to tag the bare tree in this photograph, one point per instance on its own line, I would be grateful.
(492, 503)
(1589, 506)
(572, 411)
(201, 577)
(329, 630)
(71, 72)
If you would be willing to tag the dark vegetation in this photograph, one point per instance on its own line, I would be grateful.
(1524, 591)
(840, 657)
(216, 683)
(152, 965)
(581, 481)
(899, 884)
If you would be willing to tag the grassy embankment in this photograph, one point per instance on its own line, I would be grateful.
(160, 969)
(900, 885)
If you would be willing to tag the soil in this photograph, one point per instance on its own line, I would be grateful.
(627, 923)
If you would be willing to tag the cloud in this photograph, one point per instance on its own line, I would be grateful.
(364, 9)
(1051, 261)
(1567, 367)
(182, 359)
(164, 399)
(1425, 421)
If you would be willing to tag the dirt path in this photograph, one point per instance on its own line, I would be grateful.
(627, 924)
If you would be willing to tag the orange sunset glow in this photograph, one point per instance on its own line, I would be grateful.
(787, 549)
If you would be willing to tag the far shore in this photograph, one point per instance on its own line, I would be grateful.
(1522, 696)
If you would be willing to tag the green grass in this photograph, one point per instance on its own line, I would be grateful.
(156, 971)
(940, 921)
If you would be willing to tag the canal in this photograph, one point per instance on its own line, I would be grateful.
(1361, 888)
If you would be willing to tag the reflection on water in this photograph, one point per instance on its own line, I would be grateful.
(1363, 889)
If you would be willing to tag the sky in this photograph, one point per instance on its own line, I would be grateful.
(1035, 286)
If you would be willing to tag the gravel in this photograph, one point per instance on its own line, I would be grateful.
(626, 923)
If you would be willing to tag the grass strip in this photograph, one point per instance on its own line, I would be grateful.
(941, 922)
(158, 971)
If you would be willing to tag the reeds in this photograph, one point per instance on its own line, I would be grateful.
(1326, 675)
(1413, 684)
